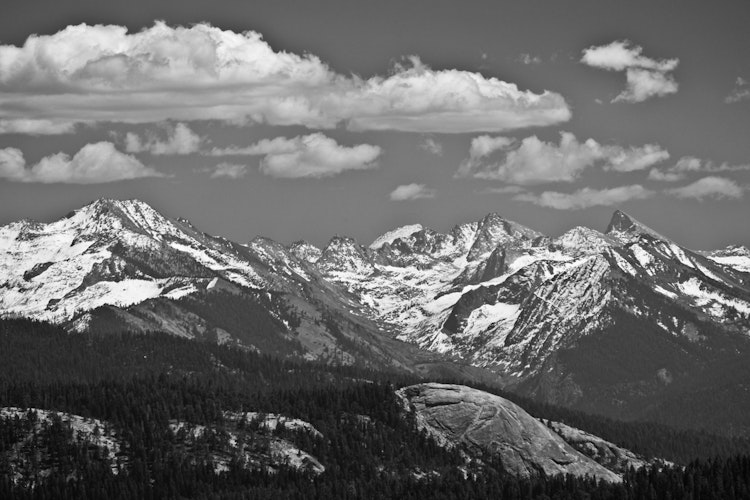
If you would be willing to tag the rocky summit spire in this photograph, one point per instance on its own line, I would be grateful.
(626, 228)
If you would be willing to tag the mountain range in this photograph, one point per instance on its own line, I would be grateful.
(625, 323)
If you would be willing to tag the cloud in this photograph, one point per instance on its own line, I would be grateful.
(229, 171)
(313, 155)
(643, 83)
(740, 92)
(36, 127)
(103, 73)
(634, 158)
(180, 141)
(528, 59)
(690, 164)
(586, 197)
(94, 164)
(709, 187)
(432, 146)
(646, 77)
(533, 161)
(412, 191)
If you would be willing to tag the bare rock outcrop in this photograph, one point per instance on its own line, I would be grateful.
(481, 422)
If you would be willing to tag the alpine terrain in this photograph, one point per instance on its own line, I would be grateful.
(625, 323)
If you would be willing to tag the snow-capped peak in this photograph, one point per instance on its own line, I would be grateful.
(391, 236)
(494, 230)
(305, 251)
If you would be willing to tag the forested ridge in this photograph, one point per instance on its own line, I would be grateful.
(141, 383)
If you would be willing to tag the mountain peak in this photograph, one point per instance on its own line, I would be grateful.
(344, 254)
(494, 230)
(112, 203)
(110, 217)
(391, 236)
(306, 251)
(626, 228)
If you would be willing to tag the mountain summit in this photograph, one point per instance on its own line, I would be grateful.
(625, 227)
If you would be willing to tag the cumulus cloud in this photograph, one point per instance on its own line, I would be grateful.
(646, 77)
(690, 164)
(533, 161)
(740, 92)
(93, 164)
(412, 191)
(709, 187)
(229, 171)
(586, 197)
(314, 155)
(103, 73)
(432, 146)
(180, 140)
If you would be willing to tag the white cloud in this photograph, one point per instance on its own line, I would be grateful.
(634, 158)
(229, 171)
(103, 73)
(740, 92)
(690, 164)
(313, 155)
(529, 59)
(533, 161)
(432, 146)
(180, 141)
(95, 163)
(644, 83)
(484, 145)
(646, 77)
(586, 197)
(12, 164)
(709, 187)
(412, 191)
(620, 55)
(36, 127)
(418, 99)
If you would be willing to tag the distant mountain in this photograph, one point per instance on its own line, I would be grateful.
(625, 323)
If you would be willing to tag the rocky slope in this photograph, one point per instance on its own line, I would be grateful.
(479, 423)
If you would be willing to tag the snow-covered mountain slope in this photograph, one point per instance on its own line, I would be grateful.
(490, 293)
(391, 236)
(120, 265)
(735, 256)
(109, 253)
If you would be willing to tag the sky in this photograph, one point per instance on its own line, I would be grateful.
(304, 120)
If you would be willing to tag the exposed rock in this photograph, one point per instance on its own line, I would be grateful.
(480, 422)
(305, 251)
(344, 255)
(603, 452)
(626, 229)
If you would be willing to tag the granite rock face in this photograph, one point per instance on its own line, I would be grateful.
(610, 455)
(480, 422)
